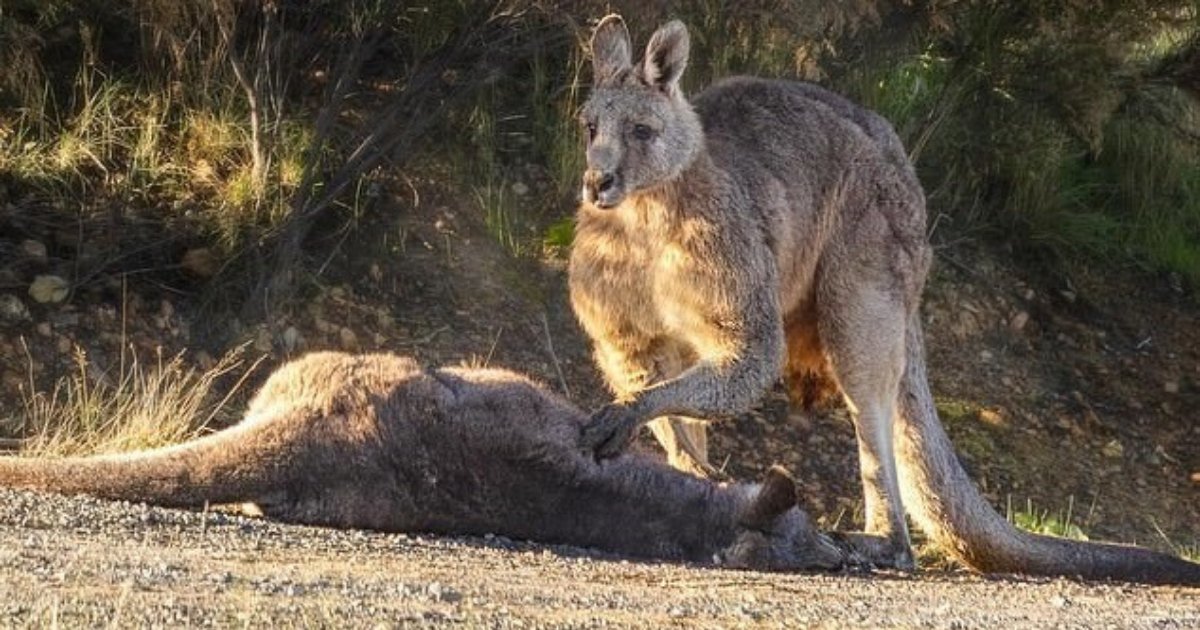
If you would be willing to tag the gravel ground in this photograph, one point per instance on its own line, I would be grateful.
(83, 562)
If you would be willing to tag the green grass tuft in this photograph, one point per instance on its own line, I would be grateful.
(1043, 522)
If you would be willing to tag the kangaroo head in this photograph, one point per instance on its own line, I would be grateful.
(776, 535)
(641, 131)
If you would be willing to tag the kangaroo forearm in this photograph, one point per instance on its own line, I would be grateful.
(707, 390)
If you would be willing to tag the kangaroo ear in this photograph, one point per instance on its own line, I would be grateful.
(666, 56)
(776, 495)
(611, 50)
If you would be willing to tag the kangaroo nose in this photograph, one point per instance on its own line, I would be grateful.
(600, 187)
(605, 182)
(600, 181)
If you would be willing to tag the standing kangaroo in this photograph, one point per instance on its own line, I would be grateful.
(373, 441)
(768, 228)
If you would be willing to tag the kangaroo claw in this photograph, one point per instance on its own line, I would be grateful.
(609, 431)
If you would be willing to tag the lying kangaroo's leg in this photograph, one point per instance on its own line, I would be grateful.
(686, 442)
(863, 331)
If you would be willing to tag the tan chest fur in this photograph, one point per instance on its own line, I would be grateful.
(633, 282)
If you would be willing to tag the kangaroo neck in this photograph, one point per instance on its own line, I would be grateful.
(702, 521)
(690, 194)
(643, 509)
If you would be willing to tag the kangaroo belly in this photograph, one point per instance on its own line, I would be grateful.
(807, 374)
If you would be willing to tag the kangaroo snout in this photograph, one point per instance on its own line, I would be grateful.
(601, 188)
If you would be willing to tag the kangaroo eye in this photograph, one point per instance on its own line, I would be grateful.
(591, 130)
(642, 132)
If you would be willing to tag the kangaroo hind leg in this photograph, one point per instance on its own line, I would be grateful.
(863, 332)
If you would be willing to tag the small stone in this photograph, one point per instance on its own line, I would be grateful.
(34, 249)
(520, 189)
(441, 593)
(201, 262)
(12, 309)
(47, 289)
(348, 339)
(1196, 477)
(985, 355)
(1171, 387)
(1018, 321)
(1028, 294)
(262, 341)
(292, 339)
(63, 344)
(43, 329)
(1058, 601)
(1113, 449)
(987, 416)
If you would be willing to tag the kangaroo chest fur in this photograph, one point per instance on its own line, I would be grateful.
(631, 269)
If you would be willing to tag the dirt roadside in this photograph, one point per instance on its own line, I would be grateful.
(81, 562)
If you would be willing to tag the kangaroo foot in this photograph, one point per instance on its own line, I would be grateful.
(879, 551)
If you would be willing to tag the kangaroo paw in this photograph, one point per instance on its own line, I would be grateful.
(609, 431)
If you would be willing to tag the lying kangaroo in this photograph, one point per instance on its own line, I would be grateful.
(375, 442)
(770, 227)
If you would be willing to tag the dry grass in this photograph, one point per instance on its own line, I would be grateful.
(138, 407)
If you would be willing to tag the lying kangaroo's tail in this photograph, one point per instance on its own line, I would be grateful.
(238, 464)
(946, 505)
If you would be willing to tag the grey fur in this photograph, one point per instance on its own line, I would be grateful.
(374, 441)
(772, 224)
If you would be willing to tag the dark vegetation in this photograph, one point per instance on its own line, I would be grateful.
(133, 133)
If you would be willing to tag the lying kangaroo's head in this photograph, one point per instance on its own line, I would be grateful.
(641, 130)
(776, 535)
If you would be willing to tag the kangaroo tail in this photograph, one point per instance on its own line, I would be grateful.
(946, 505)
(242, 463)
